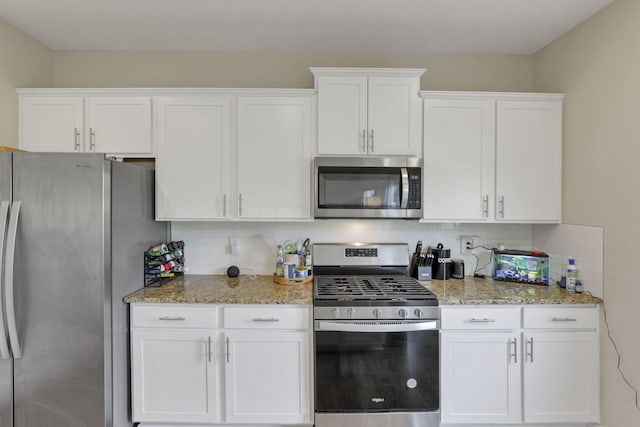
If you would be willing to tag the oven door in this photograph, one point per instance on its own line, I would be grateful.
(376, 366)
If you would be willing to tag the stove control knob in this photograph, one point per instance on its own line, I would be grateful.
(402, 312)
(350, 312)
(418, 312)
(335, 313)
(376, 313)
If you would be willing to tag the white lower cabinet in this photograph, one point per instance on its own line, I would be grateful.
(519, 365)
(267, 377)
(187, 364)
(480, 378)
(175, 375)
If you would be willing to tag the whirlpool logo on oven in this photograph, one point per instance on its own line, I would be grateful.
(377, 399)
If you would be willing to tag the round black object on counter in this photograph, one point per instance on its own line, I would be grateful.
(233, 271)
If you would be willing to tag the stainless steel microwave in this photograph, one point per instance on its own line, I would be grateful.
(367, 187)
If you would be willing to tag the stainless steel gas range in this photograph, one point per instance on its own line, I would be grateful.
(376, 339)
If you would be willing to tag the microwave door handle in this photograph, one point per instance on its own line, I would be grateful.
(4, 213)
(404, 200)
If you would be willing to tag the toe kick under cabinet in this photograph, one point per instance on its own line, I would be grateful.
(208, 364)
(517, 365)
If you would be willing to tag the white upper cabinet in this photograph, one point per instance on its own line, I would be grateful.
(529, 160)
(118, 125)
(492, 157)
(459, 159)
(234, 156)
(368, 111)
(274, 157)
(115, 125)
(193, 157)
(52, 124)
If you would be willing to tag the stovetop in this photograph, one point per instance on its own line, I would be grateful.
(378, 288)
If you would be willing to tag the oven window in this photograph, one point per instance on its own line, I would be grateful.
(390, 371)
(359, 188)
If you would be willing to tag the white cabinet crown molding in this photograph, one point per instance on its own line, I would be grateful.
(499, 96)
(167, 91)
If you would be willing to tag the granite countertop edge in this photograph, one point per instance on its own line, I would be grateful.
(220, 289)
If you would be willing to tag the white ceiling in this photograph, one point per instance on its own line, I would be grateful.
(367, 26)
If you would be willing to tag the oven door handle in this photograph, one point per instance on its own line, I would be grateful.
(326, 325)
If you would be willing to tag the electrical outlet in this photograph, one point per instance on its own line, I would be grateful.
(466, 244)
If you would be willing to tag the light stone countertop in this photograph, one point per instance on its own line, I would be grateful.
(487, 291)
(220, 289)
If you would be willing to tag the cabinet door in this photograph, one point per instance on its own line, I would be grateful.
(119, 125)
(52, 124)
(267, 377)
(342, 115)
(480, 377)
(459, 162)
(395, 116)
(274, 157)
(193, 158)
(529, 161)
(561, 377)
(174, 375)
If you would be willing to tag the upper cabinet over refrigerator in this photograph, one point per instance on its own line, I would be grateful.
(369, 111)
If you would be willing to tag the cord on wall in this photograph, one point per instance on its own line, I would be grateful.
(615, 347)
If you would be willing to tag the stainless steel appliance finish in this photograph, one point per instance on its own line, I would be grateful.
(376, 339)
(367, 187)
(73, 231)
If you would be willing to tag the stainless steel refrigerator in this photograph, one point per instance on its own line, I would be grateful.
(73, 230)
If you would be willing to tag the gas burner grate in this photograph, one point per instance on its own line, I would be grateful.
(369, 287)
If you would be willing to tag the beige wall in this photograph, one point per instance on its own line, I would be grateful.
(598, 66)
(280, 69)
(24, 62)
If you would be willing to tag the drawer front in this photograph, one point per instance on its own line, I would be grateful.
(173, 316)
(480, 318)
(266, 317)
(560, 318)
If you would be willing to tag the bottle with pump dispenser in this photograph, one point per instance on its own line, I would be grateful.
(572, 275)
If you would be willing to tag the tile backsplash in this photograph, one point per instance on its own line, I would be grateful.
(211, 247)
(584, 243)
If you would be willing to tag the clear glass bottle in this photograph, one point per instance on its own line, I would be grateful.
(280, 261)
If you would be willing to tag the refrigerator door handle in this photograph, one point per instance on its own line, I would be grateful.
(8, 281)
(4, 212)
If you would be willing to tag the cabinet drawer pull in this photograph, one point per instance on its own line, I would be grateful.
(501, 206)
(227, 352)
(563, 319)
(364, 139)
(485, 206)
(530, 351)
(76, 139)
(372, 150)
(209, 348)
(263, 319)
(514, 354)
(172, 318)
(485, 320)
(92, 139)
